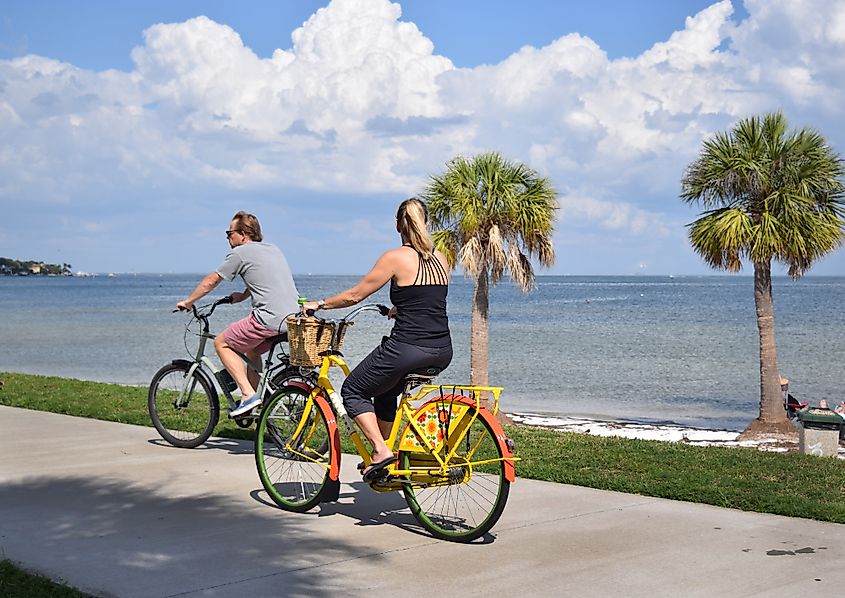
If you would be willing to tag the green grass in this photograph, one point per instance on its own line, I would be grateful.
(16, 583)
(110, 402)
(748, 479)
(788, 484)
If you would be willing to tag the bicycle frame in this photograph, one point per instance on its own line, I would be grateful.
(452, 461)
(414, 437)
(203, 362)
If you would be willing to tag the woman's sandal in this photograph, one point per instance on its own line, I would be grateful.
(376, 470)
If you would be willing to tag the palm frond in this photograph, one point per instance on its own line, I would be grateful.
(766, 238)
(721, 237)
(447, 242)
(492, 205)
(495, 252)
(787, 184)
(471, 257)
(544, 250)
(520, 269)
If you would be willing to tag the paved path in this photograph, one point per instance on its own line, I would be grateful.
(112, 510)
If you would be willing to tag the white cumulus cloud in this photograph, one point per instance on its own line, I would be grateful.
(620, 216)
(357, 102)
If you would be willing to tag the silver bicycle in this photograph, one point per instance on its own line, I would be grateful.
(183, 398)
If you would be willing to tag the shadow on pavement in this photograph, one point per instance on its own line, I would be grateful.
(134, 542)
(367, 508)
(231, 445)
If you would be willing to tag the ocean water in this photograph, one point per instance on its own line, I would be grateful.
(653, 349)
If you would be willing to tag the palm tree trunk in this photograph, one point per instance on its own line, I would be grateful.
(479, 332)
(772, 416)
(771, 399)
(479, 343)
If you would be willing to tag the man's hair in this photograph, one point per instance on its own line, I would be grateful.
(248, 225)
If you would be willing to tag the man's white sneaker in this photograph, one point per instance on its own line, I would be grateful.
(246, 406)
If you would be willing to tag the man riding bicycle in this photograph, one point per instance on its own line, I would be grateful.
(269, 284)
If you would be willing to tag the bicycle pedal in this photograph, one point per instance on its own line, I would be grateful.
(243, 421)
(381, 479)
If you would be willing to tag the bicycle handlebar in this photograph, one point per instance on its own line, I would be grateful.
(382, 309)
(199, 315)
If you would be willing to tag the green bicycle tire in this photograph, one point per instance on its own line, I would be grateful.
(293, 471)
(461, 509)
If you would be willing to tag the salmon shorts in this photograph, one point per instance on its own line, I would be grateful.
(248, 335)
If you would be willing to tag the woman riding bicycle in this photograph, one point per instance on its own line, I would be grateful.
(419, 284)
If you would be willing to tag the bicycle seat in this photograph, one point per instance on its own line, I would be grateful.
(421, 376)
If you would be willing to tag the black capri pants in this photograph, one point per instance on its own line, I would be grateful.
(375, 383)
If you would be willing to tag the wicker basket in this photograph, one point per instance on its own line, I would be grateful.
(310, 338)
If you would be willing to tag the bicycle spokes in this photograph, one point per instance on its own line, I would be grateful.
(182, 405)
(292, 450)
(464, 497)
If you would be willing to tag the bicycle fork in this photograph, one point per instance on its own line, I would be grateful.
(188, 386)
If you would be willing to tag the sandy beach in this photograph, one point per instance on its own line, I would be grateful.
(662, 432)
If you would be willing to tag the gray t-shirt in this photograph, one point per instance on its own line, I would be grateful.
(266, 273)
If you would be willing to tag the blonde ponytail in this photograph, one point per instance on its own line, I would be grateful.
(412, 222)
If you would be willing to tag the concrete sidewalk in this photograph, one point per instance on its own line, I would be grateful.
(114, 511)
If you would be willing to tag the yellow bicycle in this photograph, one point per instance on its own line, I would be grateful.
(454, 463)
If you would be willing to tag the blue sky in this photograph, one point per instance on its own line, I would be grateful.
(131, 132)
(98, 34)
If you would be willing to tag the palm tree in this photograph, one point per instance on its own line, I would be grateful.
(491, 216)
(771, 194)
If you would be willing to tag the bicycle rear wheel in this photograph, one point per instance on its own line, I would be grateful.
(293, 467)
(183, 410)
(466, 502)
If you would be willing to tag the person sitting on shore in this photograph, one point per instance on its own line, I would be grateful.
(840, 409)
(790, 403)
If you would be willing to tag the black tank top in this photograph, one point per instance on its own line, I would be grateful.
(421, 307)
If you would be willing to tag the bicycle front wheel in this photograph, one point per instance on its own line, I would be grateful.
(293, 466)
(183, 409)
(466, 501)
